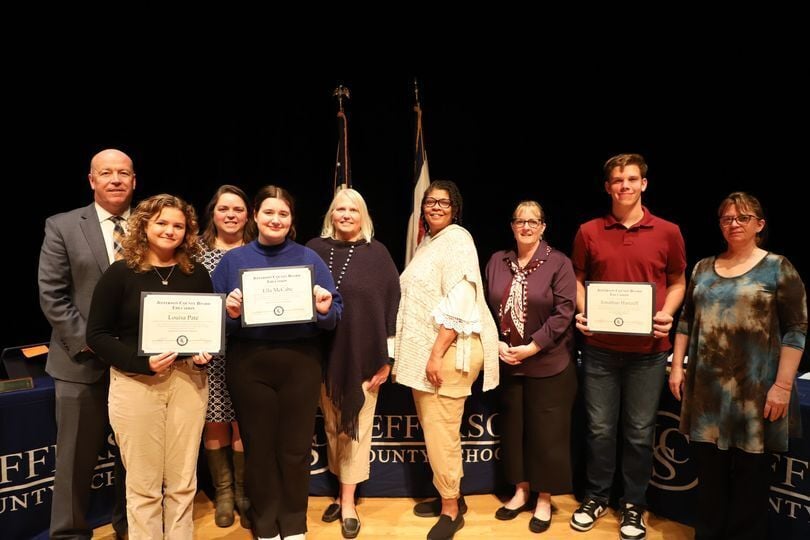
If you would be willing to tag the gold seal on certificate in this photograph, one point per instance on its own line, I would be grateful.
(185, 323)
(617, 307)
(280, 295)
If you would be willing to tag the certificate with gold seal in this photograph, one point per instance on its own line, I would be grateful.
(278, 295)
(185, 323)
(619, 307)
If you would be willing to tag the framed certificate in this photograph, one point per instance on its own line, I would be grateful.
(280, 295)
(619, 307)
(185, 323)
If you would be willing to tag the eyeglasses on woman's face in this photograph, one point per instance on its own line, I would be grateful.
(430, 202)
(530, 223)
(742, 219)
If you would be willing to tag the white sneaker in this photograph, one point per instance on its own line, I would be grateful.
(276, 537)
(586, 515)
(299, 536)
(632, 526)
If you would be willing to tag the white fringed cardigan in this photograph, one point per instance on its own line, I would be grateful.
(439, 264)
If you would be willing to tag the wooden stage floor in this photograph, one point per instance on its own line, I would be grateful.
(393, 518)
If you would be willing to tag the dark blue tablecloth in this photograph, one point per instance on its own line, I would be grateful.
(399, 466)
(27, 458)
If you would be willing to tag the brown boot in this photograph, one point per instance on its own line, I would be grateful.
(221, 476)
(242, 502)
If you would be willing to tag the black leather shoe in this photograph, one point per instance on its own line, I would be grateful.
(350, 527)
(446, 527)
(434, 508)
(537, 525)
(332, 513)
(505, 514)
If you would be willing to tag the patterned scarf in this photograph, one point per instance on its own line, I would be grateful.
(512, 309)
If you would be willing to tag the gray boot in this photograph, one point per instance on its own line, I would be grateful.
(242, 502)
(219, 464)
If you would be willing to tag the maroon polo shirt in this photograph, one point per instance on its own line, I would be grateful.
(606, 250)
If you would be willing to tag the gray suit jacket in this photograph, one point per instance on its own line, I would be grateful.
(71, 261)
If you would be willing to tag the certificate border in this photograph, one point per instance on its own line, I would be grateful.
(144, 294)
(652, 314)
(311, 268)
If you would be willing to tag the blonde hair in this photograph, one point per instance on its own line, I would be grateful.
(366, 225)
(136, 243)
(530, 204)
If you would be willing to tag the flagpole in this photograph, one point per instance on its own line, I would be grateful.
(421, 179)
(343, 171)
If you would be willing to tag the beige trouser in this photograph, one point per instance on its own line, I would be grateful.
(349, 459)
(440, 416)
(158, 421)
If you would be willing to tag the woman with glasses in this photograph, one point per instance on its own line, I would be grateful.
(532, 291)
(445, 337)
(743, 327)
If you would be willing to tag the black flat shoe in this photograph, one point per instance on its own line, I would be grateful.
(537, 525)
(433, 508)
(446, 527)
(350, 527)
(505, 514)
(332, 513)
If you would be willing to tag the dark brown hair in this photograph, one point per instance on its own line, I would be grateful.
(746, 204)
(209, 235)
(275, 192)
(622, 161)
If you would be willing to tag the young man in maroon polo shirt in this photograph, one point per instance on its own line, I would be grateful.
(625, 372)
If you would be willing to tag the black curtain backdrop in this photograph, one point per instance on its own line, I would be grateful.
(706, 128)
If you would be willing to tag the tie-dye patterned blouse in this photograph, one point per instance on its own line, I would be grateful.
(736, 328)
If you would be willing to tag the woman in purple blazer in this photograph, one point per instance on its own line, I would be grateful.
(532, 293)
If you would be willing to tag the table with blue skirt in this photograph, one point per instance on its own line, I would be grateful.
(399, 465)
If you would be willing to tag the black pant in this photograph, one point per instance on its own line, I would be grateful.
(274, 387)
(536, 430)
(732, 493)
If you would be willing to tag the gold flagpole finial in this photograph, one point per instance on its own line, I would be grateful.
(340, 93)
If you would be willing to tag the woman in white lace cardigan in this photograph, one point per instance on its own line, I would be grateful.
(445, 337)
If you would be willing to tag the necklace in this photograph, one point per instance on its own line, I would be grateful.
(165, 280)
(342, 273)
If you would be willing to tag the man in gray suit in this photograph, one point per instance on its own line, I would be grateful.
(79, 246)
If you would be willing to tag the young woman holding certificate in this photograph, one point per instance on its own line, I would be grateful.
(156, 402)
(274, 370)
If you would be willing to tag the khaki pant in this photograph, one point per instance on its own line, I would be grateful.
(349, 459)
(158, 421)
(440, 417)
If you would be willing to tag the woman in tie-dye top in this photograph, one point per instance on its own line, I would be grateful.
(743, 328)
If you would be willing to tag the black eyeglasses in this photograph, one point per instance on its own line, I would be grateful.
(531, 223)
(742, 219)
(430, 202)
